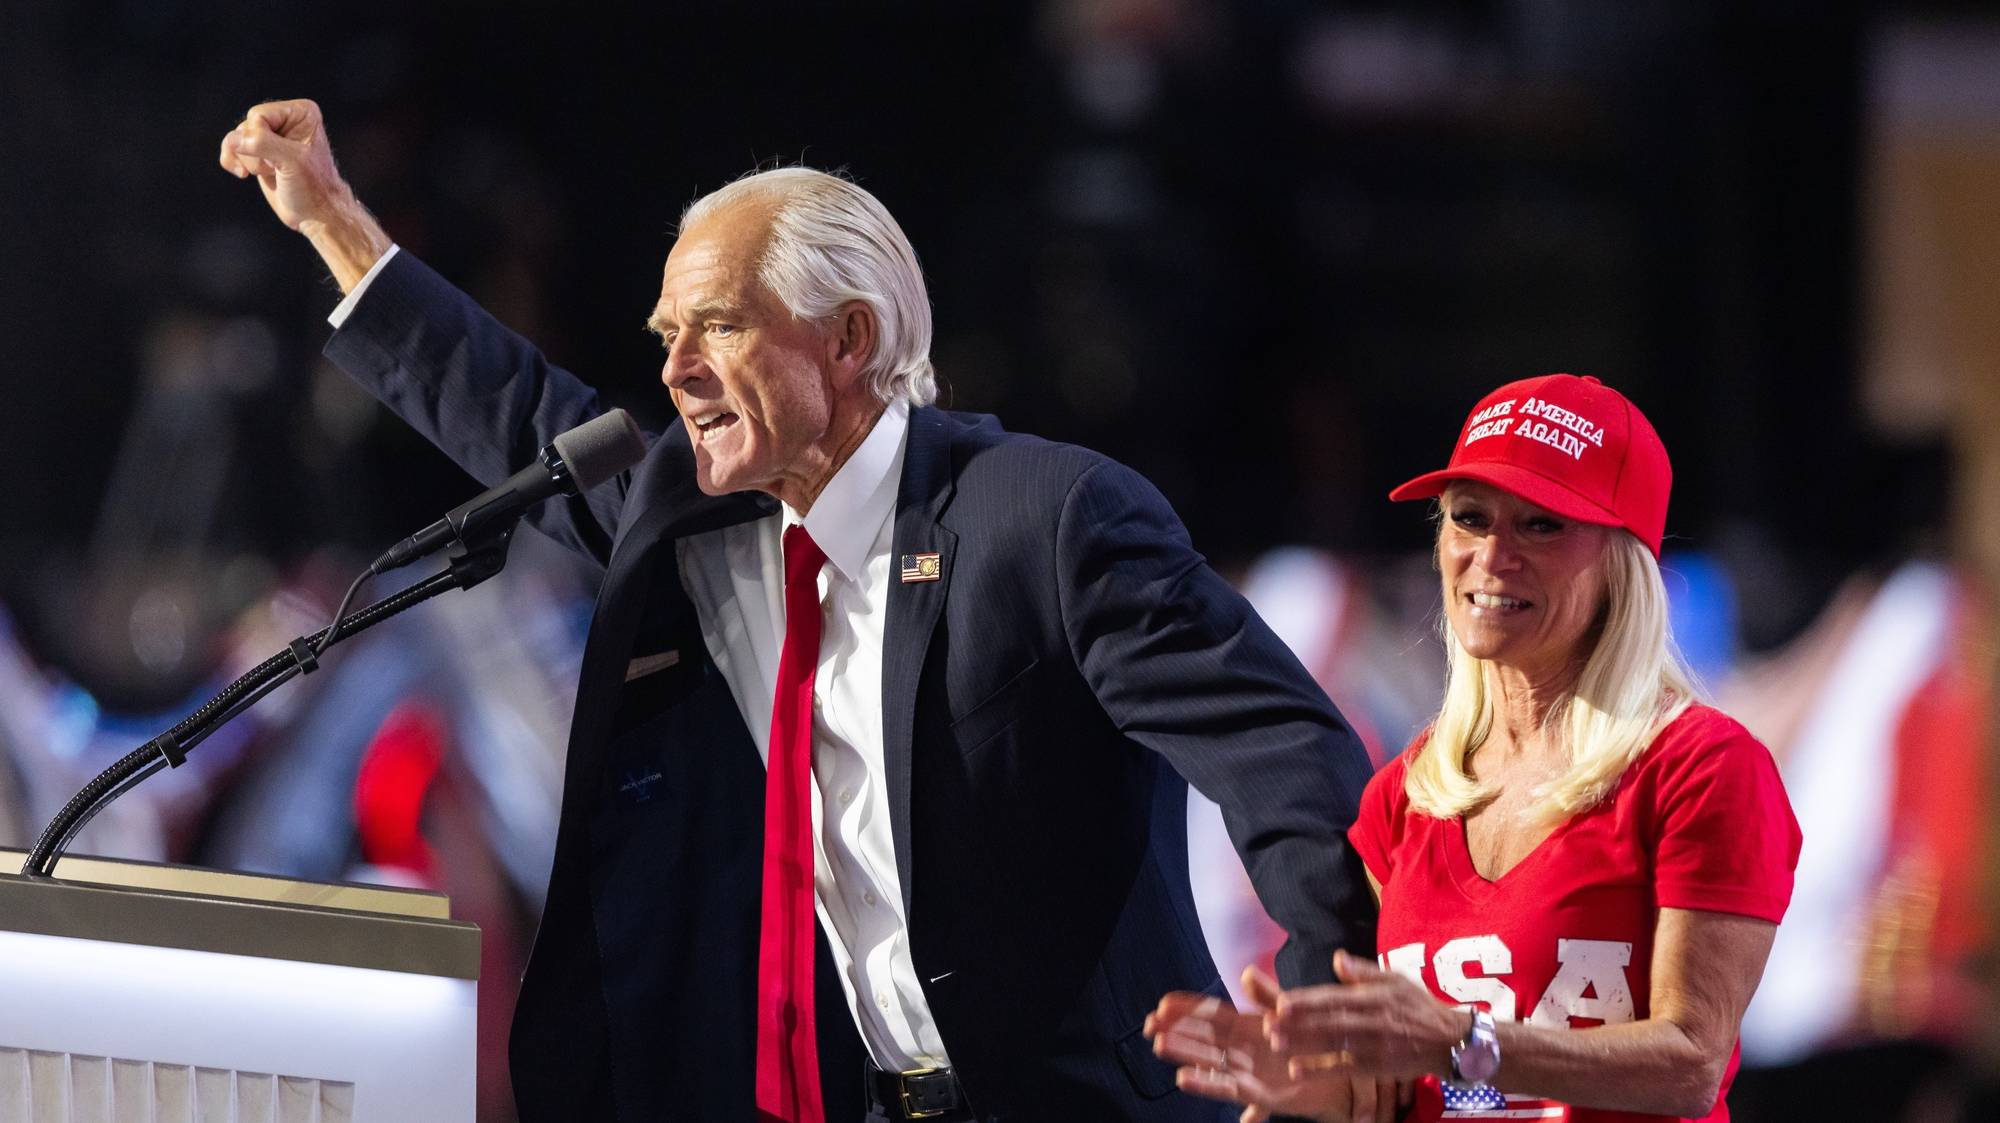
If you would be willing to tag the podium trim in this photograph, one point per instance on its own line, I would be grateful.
(267, 929)
(241, 886)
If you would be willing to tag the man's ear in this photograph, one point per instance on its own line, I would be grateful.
(851, 340)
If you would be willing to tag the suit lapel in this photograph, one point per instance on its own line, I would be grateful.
(913, 612)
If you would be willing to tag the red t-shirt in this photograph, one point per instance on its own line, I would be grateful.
(1565, 938)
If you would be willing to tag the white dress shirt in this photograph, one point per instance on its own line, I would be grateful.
(736, 578)
(346, 306)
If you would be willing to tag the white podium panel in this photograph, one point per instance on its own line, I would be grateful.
(129, 1002)
(66, 1088)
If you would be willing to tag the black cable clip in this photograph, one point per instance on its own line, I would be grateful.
(169, 746)
(302, 654)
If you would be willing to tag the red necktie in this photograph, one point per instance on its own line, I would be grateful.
(787, 1044)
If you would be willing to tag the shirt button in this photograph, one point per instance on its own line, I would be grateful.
(882, 1000)
(846, 796)
(868, 895)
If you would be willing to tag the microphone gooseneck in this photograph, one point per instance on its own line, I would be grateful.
(480, 531)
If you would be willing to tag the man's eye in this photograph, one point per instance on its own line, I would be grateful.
(1467, 518)
(722, 329)
(1545, 526)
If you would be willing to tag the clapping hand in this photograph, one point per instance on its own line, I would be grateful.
(1226, 1054)
(1374, 1020)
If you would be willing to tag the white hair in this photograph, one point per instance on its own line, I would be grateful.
(832, 242)
(1633, 685)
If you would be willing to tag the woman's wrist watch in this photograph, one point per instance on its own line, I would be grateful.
(1475, 1060)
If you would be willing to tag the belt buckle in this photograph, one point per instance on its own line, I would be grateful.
(910, 1110)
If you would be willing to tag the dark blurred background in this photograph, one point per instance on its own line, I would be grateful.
(1266, 252)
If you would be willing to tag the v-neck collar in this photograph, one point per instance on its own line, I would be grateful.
(1458, 852)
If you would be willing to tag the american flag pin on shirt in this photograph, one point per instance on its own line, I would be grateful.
(921, 567)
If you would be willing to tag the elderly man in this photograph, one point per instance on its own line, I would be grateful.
(857, 657)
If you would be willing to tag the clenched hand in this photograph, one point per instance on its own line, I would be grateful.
(284, 145)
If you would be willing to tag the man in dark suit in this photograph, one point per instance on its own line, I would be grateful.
(969, 763)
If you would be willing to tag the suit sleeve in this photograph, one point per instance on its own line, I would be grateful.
(480, 392)
(1184, 666)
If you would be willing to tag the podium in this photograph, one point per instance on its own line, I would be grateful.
(148, 993)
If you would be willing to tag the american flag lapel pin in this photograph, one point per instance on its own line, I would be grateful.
(921, 567)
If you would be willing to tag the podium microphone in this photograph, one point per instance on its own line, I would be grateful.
(570, 465)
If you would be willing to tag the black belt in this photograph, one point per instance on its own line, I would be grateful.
(924, 1093)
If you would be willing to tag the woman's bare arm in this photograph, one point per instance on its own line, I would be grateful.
(1705, 968)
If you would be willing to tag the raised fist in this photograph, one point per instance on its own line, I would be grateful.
(283, 144)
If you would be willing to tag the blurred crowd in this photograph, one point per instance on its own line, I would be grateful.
(1262, 252)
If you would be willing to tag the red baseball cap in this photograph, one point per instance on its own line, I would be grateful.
(1572, 445)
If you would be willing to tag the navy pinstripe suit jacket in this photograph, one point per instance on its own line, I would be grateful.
(1042, 703)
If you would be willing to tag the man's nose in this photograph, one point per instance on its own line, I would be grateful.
(683, 365)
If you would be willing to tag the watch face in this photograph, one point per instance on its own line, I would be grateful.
(1478, 1060)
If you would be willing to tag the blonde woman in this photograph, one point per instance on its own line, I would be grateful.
(1580, 866)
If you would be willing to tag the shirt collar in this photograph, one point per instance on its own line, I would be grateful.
(850, 510)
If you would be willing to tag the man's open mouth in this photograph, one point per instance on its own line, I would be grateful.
(713, 422)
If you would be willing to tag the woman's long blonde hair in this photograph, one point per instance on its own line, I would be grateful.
(1633, 684)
